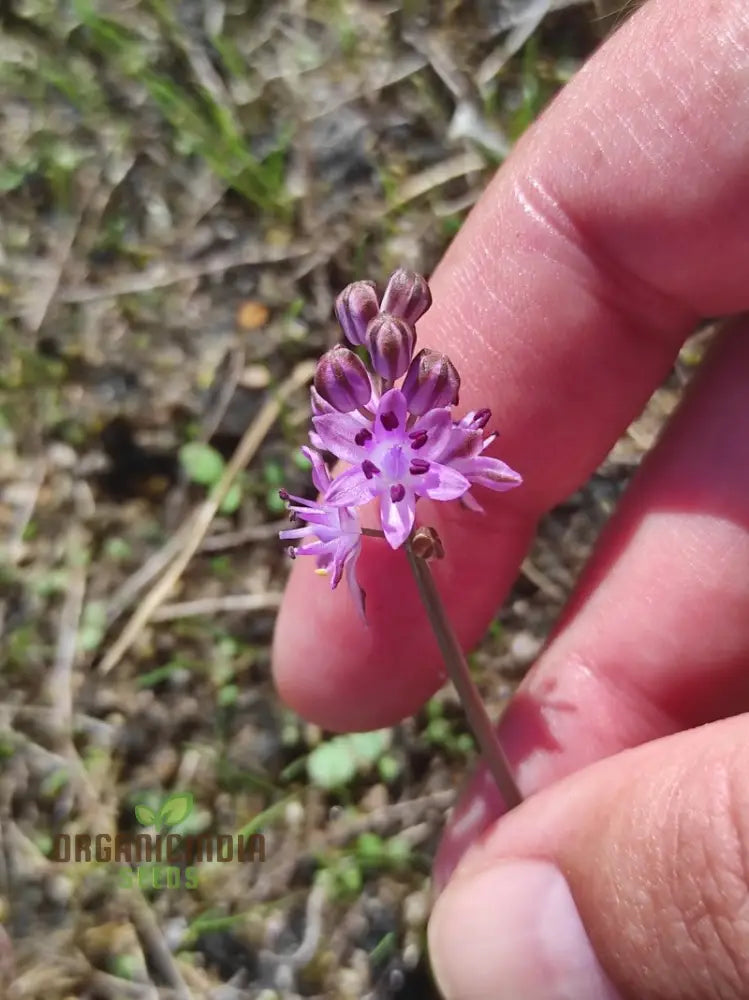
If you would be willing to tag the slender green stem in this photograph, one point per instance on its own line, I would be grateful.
(460, 675)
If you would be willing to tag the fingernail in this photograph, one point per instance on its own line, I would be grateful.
(514, 931)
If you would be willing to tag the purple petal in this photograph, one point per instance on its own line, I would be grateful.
(397, 518)
(394, 464)
(462, 443)
(349, 489)
(295, 532)
(356, 591)
(492, 473)
(438, 426)
(442, 483)
(393, 407)
(318, 404)
(470, 502)
(316, 548)
(346, 549)
(337, 432)
(315, 440)
(320, 474)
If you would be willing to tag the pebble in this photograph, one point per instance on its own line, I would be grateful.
(415, 909)
(525, 647)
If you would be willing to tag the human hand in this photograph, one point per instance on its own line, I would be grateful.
(619, 220)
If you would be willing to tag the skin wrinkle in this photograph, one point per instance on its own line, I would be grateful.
(631, 297)
(710, 840)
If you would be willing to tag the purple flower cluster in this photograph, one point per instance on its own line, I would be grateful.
(393, 425)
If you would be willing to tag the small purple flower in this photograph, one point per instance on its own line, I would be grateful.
(336, 529)
(394, 459)
(464, 453)
(401, 443)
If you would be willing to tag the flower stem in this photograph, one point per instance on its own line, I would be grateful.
(460, 675)
(373, 532)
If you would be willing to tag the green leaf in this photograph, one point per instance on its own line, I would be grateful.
(144, 815)
(176, 808)
(335, 763)
(331, 765)
(367, 748)
(93, 626)
(273, 501)
(232, 500)
(202, 463)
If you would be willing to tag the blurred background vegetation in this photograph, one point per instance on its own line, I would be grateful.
(184, 188)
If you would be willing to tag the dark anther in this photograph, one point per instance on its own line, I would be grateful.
(369, 468)
(284, 494)
(418, 466)
(418, 439)
(397, 492)
(361, 437)
(389, 420)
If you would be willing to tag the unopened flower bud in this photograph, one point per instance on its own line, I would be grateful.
(431, 381)
(427, 544)
(407, 296)
(342, 380)
(391, 342)
(355, 308)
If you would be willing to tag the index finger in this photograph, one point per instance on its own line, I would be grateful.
(621, 218)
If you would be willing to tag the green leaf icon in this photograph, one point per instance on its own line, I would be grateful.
(144, 815)
(175, 808)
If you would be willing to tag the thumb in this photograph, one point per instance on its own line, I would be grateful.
(625, 881)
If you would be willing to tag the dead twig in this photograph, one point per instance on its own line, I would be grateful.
(201, 519)
(243, 536)
(14, 547)
(162, 275)
(400, 814)
(154, 944)
(433, 177)
(127, 594)
(216, 605)
(541, 580)
(43, 293)
(115, 988)
(60, 682)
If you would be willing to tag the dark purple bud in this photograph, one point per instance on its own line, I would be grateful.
(391, 342)
(418, 466)
(361, 437)
(369, 468)
(284, 494)
(431, 381)
(389, 420)
(355, 308)
(397, 492)
(407, 296)
(342, 380)
(418, 439)
(481, 418)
